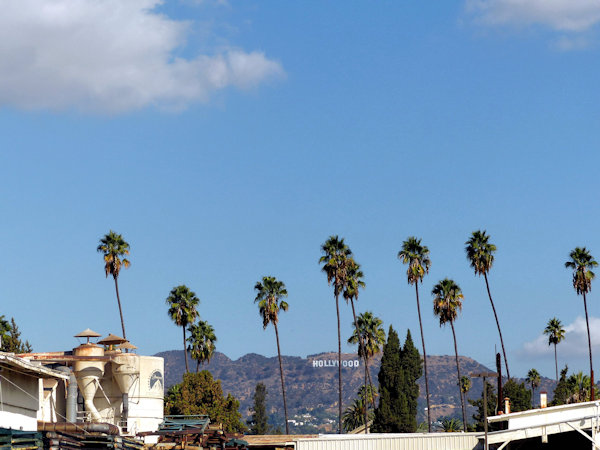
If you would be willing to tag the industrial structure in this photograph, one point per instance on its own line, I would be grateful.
(101, 386)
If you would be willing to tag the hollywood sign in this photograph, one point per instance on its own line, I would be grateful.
(335, 363)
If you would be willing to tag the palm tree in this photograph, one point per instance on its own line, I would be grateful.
(336, 259)
(182, 310)
(354, 281)
(556, 333)
(480, 254)
(581, 261)
(369, 330)
(533, 378)
(451, 425)
(115, 248)
(201, 342)
(353, 415)
(447, 302)
(417, 257)
(269, 295)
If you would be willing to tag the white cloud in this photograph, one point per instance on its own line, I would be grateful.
(562, 15)
(111, 56)
(574, 345)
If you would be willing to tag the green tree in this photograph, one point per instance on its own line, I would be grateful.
(480, 253)
(413, 370)
(199, 393)
(519, 395)
(201, 341)
(492, 400)
(465, 384)
(556, 333)
(392, 400)
(370, 329)
(11, 337)
(533, 378)
(114, 248)
(582, 263)
(182, 310)
(269, 296)
(562, 391)
(416, 256)
(259, 422)
(447, 302)
(336, 256)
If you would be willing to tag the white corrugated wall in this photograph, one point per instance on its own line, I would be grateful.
(433, 441)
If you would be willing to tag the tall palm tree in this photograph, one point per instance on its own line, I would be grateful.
(480, 253)
(556, 333)
(447, 302)
(417, 257)
(533, 378)
(182, 310)
(336, 259)
(581, 261)
(369, 330)
(201, 342)
(354, 281)
(114, 248)
(269, 295)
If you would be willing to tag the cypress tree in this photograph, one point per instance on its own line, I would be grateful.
(259, 421)
(412, 366)
(392, 401)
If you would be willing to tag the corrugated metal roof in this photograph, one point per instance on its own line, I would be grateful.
(23, 365)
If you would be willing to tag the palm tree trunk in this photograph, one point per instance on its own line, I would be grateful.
(462, 401)
(287, 431)
(187, 367)
(197, 365)
(424, 359)
(337, 308)
(120, 310)
(487, 285)
(364, 353)
(587, 323)
(366, 402)
(556, 362)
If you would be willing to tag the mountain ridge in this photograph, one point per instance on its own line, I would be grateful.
(309, 387)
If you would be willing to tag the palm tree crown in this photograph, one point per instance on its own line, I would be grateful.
(447, 301)
(417, 257)
(480, 252)
(555, 331)
(114, 248)
(354, 280)
(201, 342)
(269, 298)
(335, 260)
(581, 261)
(373, 334)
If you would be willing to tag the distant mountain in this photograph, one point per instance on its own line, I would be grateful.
(312, 382)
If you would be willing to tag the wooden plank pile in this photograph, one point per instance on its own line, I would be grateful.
(17, 439)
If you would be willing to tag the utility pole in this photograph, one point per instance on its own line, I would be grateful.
(485, 375)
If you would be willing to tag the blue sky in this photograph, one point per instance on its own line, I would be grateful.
(228, 140)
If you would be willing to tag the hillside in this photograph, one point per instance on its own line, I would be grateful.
(310, 387)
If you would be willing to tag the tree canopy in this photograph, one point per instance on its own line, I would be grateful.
(199, 393)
